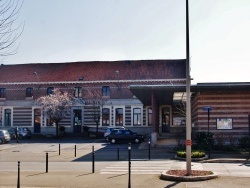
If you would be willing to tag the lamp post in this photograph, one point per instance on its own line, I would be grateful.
(208, 109)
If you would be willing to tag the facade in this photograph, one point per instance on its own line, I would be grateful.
(147, 96)
(97, 88)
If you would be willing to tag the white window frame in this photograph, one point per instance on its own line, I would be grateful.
(147, 123)
(132, 115)
(123, 112)
(109, 107)
(3, 116)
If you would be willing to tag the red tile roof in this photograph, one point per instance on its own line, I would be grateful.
(93, 70)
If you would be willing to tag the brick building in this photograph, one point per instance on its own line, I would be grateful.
(147, 96)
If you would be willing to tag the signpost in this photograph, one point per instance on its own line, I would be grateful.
(208, 109)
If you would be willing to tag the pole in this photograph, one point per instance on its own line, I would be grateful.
(59, 149)
(18, 174)
(208, 135)
(118, 153)
(129, 165)
(75, 150)
(188, 105)
(47, 162)
(149, 148)
(93, 160)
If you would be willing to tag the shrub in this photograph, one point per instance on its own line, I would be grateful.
(195, 154)
(244, 142)
(62, 128)
(204, 140)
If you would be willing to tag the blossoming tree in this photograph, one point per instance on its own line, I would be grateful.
(56, 106)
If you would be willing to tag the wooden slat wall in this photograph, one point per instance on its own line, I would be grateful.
(234, 105)
(22, 116)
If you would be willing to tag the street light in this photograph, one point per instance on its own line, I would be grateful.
(208, 109)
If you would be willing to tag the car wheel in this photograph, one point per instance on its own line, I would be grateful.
(113, 141)
(1, 141)
(137, 140)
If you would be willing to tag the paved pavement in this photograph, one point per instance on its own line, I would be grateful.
(233, 171)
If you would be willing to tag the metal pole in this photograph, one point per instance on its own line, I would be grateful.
(149, 148)
(208, 135)
(188, 105)
(18, 174)
(93, 160)
(129, 165)
(47, 162)
(75, 150)
(59, 149)
(118, 153)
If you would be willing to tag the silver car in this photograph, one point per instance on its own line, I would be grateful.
(4, 136)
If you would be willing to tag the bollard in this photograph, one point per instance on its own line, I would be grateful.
(75, 150)
(59, 149)
(47, 162)
(118, 153)
(149, 148)
(18, 174)
(129, 165)
(93, 160)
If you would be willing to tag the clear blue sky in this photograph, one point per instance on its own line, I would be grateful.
(86, 30)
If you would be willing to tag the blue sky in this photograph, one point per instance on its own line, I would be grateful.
(89, 30)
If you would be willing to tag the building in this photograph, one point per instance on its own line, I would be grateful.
(147, 96)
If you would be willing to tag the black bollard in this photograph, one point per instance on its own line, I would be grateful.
(47, 162)
(75, 150)
(18, 174)
(59, 149)
(93, 160)
(129, 165)
(118, 153)
(149, 148)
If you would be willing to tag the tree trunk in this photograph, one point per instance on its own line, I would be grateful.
(97, 125)
(57, 127)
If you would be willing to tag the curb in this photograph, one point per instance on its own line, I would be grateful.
(165, 176)
(192, 159)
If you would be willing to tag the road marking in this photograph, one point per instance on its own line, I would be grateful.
(137, 167)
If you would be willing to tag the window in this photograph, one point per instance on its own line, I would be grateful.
(137, 117)
(49, 122)
(2, 92)
(149, 111)
(78, 92)
(106, 91)
(7, 117)
(119, 117)
(29, 92)
(50, 90)
(105, 117)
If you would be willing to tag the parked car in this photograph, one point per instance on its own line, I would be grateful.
(124, 135)
(4, 136)
(23, 132)
(109, 130)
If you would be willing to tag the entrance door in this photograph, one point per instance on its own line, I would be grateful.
(37, 120)
(77, 121)
(165, 119)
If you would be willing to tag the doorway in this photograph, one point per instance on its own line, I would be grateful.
(165, 119)
(37, 120)
(77, 122)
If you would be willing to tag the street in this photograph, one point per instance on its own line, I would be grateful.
(70, 164)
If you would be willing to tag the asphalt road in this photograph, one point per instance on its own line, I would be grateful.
(67, 170)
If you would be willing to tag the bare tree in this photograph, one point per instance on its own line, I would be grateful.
(97, 103)
(9, 32)
(57, 106)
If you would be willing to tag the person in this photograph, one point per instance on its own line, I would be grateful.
(17, 135)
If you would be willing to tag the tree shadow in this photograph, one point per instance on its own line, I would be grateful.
(37, 174)
(172, 185)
